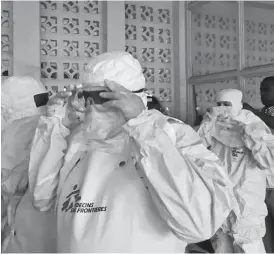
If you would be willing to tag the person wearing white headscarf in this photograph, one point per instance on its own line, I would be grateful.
(23, 228)
(246, 146)
(128, 179)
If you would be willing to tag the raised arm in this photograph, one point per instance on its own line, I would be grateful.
(259, 139)
(187, 182)
(47, 153)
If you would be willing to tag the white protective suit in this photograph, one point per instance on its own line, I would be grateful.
(153, 187)
(246, 146)
(24, 229)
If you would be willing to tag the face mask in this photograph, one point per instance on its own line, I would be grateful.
(225, 113)
(103, 123)
(222, 112)
(224, 130)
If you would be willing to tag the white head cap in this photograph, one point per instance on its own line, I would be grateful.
(17, 98)
(116, 66)
(234, 96)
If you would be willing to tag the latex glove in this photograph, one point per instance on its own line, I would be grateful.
(222, 113)
(216, 113)
(57, 106)
(238, 125)
(129, 103)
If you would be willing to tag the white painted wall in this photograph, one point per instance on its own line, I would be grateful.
(115, 25)
(26, 38)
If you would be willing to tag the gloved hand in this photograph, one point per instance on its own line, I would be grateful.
(57, 106)
(129, 103)
(101, 122)
(212, 113)
(221, 113)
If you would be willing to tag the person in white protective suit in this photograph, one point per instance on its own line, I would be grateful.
(267, 115)
(24, 229)
(246, 146)
(128, 179)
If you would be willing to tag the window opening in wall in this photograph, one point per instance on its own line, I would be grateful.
(229, 46)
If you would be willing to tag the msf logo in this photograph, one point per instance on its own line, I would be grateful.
(73, 198)
(237, 154)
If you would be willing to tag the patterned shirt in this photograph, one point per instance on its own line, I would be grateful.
(269, 110)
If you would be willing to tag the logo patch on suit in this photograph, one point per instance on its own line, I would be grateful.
(73, 204)
(237, 153)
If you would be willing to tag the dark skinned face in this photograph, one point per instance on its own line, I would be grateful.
(267, 94)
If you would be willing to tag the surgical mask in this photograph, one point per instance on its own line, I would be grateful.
(102, 123)
(222, 112)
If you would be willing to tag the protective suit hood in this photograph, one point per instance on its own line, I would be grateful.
(226, 130)
(122, 68)
(17, 99)
(234, 96)
(117, 66)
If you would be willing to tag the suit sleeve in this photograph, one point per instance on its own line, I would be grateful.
(188, 184)
(46, 160)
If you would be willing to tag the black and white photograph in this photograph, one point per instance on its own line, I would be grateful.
(137, 126)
